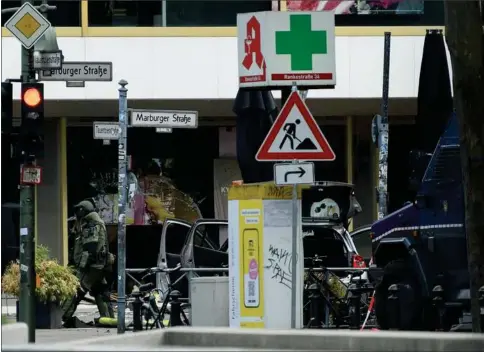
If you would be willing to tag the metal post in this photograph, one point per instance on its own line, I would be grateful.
(27, 224)
(163, 13)
(294, 257)
(27, 257)
(383, 135)
(122, 200)
(294, 285)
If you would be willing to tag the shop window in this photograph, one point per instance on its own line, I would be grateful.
(210, 13)
(377, 12)
(125, 13)
(482, 11)
(10, 198)
(68, 13)
(399, 168)
(363, 170)
(333, 170)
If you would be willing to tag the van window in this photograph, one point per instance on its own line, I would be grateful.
(175, 237)
(203, 236)
(362, 242)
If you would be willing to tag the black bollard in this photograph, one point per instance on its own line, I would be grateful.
(175, 313)
(394, 307)
(137, 304)
(481, 304)
(439, 307)
(354, 309)
(315, 307)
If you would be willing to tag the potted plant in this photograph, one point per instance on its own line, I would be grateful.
(55, 284)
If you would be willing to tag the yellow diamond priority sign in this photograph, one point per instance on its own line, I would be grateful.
(28, 25)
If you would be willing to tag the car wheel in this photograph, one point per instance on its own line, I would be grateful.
(410, 301)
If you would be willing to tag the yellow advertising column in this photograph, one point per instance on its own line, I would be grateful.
(260, 257)
(251, 272)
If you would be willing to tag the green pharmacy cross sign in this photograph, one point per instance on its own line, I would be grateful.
(301, 42)
(281, 49)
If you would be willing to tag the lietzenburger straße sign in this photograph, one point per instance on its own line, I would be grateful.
(164, 118)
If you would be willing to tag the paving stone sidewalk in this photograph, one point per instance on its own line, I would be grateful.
(64, 335)
(85, 312)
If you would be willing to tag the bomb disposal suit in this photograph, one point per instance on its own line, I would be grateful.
(91, 259)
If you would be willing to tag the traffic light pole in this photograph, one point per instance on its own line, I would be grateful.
(27, 224)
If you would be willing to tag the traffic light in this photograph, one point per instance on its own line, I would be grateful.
(7, 107)
(32, 100)
(32, 110)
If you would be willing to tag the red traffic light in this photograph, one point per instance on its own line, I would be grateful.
(32, 97)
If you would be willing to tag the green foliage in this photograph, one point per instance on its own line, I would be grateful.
(41, 254)
(57, 282)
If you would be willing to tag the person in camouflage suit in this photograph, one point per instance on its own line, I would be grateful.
(91, 259)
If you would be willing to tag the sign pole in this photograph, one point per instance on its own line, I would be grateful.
(383, 135)
(295, 135)
(122, 200)
(27, 223)
(292, 144)
(294, 247)
(294, 255)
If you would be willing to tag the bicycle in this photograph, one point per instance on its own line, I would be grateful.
(145, 307)
(329, 303)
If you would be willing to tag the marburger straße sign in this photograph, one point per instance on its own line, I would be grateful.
(79, 72)
(164, 118)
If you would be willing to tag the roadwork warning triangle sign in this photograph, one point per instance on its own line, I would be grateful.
(295, 135)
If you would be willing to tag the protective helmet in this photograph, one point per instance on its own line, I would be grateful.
(83, 208)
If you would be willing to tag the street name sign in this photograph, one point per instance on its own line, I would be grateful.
(286, 48)
(164, 130)
(164, 118)
(44, 60)
(106, 130)
(28, 25)
(295, 135)
(79, 72)
(294, 174)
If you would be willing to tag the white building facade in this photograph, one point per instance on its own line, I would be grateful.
(188, 65)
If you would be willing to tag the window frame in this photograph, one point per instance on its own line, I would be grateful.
(365, 28)
(345, 22)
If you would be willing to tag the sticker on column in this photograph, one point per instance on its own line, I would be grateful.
(251, 268)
